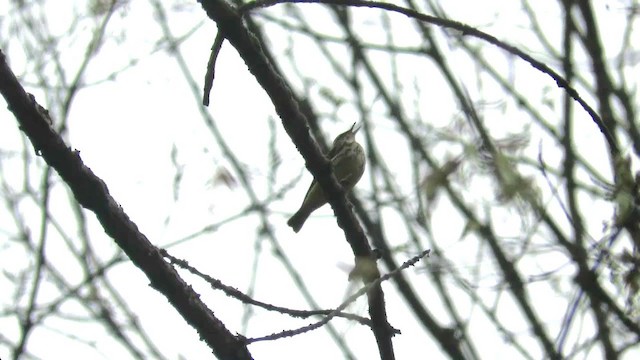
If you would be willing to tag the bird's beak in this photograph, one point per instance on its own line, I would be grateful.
(354, 129)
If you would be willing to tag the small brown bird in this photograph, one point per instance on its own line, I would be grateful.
(347, 161)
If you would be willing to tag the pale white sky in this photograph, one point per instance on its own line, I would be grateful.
(125, 129)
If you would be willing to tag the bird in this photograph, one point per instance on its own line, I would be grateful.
(347, 162)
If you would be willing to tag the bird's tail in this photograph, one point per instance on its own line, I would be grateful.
(298, 219)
